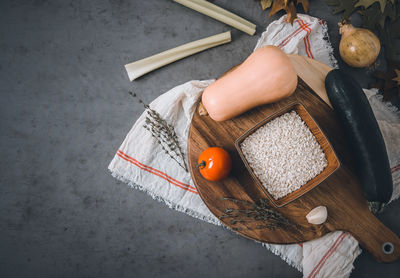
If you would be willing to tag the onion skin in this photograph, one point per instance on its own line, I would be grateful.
(358, 47)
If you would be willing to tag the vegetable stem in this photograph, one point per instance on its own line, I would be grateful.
(220, 14)
(146, 65)
(201, 165)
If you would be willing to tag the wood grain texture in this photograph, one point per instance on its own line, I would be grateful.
(313, 73)
(340, 192)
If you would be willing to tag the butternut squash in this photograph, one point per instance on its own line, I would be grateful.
(266, 76)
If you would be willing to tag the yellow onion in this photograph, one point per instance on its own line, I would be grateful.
(358, 47)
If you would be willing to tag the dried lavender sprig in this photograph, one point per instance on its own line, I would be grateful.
(167, 132)
(253, 212)
(164, 133)
(164, 148)
(168, 148)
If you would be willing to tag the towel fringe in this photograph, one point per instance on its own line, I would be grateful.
(328, 46)
(388, 105)
(283, 256)
(194, 214)
(170, 204)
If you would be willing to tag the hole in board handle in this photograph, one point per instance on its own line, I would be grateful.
(387, 248)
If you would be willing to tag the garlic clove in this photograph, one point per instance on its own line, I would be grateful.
(317, 215)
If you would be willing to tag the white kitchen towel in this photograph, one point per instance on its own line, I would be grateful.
(308, 36)
(141, 162)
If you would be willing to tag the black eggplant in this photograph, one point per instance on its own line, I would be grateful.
(363, 134)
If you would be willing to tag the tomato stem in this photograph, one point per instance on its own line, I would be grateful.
(201, 165)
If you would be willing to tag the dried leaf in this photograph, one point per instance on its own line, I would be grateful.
(367, 3)
(395, 29)
(277, 6)
(388, 81)
(202, 110)
(289, 6)
(397, 78)
(304, 3)
(345, 6)
(291, 12)
(388, 35)
(265, 4)
(390, 12)
(371, 17)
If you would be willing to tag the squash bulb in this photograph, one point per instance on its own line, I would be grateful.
(266, 76)
(358, 47)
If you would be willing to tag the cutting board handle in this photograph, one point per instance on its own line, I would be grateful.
(378, 239)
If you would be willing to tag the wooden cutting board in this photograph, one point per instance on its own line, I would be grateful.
(340, 193)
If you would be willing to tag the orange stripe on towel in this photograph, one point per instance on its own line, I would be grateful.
(307, 45)
(395, 168)
(332, 249)
(295, 32)
(156, 172)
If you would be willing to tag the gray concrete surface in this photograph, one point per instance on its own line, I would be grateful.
(64, 111)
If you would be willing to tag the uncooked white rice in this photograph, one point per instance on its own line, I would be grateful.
(284, 154)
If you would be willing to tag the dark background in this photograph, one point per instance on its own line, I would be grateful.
(64, 111)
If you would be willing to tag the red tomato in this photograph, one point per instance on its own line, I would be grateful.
(214, 164)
